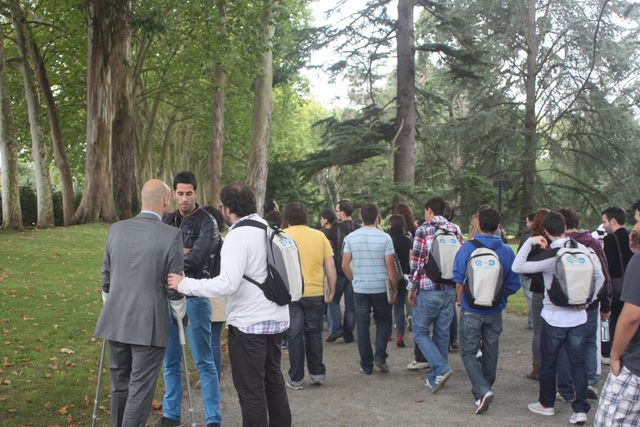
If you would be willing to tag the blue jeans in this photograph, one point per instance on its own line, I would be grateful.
(434, 308)
(480, 332)
(381, 314)
(216, 345)
(198, 334)
(343, 286)
(552, 340)
(304, 336)
(590, 350)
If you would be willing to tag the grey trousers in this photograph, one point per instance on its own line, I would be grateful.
(134, 370)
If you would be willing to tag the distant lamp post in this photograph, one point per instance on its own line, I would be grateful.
(501, 184)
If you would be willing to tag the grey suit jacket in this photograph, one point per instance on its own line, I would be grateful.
(139, 254)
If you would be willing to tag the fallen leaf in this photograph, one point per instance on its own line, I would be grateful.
(87, 400)
(48, 375)
(25, 317)
(67, 350)
(5, 382)
(419, 401)
(12, 411)
(63, 410)
(47, 405)
(56, 326)
(3, 399)
(69, 364)
(6, 363)
(156, 405)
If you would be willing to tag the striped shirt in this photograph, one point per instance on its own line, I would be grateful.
(422, 242)
(368, 246)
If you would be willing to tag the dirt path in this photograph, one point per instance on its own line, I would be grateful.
(399, 398)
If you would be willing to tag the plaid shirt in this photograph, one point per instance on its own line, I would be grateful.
(268, 327)
(418, 279)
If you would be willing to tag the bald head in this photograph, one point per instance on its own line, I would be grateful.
(155, 196)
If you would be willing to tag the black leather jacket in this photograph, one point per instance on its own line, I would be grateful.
(200, 234)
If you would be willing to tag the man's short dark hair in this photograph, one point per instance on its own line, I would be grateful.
(436, 204)
(554, 224)
(614, 213)
(345, 206)
(489, 219)
(531, 216)
(296, 214)
(185, 177)
(570, 218)
(369, 213)
(273, 218)
(329, 215)
(239, 198)
(270, 205)
(635, 207)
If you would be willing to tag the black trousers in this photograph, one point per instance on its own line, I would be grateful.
(255, 367)
(134, 371)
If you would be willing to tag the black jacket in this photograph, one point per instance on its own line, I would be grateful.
(200, 234)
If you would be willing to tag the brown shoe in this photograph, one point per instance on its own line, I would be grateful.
(535, 373)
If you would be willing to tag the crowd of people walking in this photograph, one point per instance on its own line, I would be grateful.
(421, 275)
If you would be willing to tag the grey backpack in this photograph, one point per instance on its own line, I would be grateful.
(483, 285)
(573, 282)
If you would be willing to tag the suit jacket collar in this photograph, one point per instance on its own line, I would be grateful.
(149, 215)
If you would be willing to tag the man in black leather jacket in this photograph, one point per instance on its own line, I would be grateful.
(201, 238)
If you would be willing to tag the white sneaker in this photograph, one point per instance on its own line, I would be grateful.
(441, 381)
(578, 418)
(415, 366)
(606, 361)
(483, 403)
(537, 408)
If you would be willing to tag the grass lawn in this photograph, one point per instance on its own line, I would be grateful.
(50, 300)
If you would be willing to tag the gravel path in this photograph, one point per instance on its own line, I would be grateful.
(399, 398)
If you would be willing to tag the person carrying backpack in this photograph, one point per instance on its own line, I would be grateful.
(565, 318)
(484, 281)
(431, 289)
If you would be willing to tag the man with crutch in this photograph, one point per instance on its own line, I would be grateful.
(139, 253)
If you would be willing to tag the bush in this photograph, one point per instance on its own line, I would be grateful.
(29, 206)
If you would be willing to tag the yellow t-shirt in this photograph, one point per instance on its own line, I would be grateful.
(314, 248)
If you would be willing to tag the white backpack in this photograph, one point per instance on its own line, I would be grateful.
(483, 285)
(573, 282)
(444, 248)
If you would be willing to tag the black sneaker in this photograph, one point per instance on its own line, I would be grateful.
(348, 338)
(167, 422)
(334, 336)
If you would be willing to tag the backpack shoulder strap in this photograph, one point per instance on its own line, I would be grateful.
(477, 244)
(545, 255)
(250, 223)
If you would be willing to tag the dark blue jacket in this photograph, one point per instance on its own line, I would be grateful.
(506, 257)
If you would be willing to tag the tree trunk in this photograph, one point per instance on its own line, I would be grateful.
(59, 155)
(404, 162)
(122, 137)
(530, 139)
(97, 196)
(38, 147)
(11, 212)
(257, 171)
(217, 140)
(164, 158)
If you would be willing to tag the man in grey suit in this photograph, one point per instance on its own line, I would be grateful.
(139, 254)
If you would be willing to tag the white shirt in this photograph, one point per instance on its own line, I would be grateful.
(244, 253)
(561, 317)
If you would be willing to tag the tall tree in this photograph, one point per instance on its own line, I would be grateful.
(59, 155)
(38, 146)
(405, 143)
(217, 139)
(97, 196)
(122, 133)
(257, 170)
(11, 212)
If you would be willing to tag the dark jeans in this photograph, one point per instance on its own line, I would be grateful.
(304, 336)
(255, 367)
(338, 324)
(480, 331)
(381, 313)
(553, 339)
(453, 331)
(399, 312)
(590, 350)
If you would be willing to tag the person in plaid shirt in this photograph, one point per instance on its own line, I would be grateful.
(434, 302)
